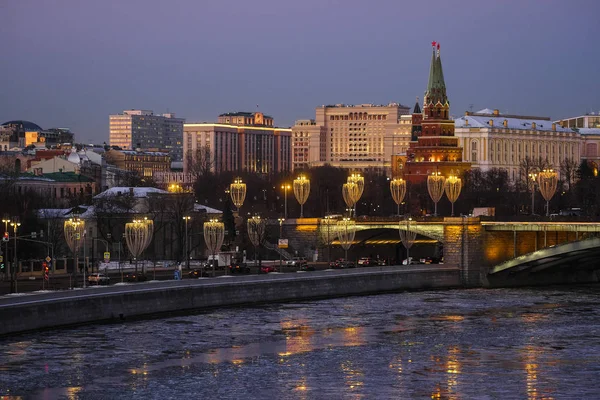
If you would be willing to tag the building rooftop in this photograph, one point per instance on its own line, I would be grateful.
(24, 125)
(482, 118)
(57, 177)
(138, 192)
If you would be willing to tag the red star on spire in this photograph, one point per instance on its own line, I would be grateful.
(433, 44)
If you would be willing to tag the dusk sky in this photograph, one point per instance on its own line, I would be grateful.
(71, 63)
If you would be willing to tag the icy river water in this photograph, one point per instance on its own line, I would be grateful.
(461, 344)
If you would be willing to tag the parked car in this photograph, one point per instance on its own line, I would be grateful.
(196, 273)
(265, 269)
(307, 267)
(239, 268)
(98, 279)
(135, 277)
(366, 262)
(296, 262)
(381, 261)
(341, 264)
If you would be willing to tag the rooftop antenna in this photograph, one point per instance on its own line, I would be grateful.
(471, 107)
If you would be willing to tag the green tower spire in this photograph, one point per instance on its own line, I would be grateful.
(436, 87)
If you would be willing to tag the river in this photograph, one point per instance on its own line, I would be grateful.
(530, 343)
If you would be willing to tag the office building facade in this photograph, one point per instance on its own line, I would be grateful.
(141, 129)
(356, 137)
(257, 147)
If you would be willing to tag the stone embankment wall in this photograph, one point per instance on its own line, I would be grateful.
(49, 310)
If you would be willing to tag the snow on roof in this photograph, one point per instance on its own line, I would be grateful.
(589, 131)
(53, 212)
(475, 121)
(485, 111)
(138, 192)
(208, 210)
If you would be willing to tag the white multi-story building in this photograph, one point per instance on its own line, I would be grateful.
(355, 137)
(142, 129)
(493, 140)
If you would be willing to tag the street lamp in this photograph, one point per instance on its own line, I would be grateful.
(285, 187)
(237, 190)
(280, 236)
(407, 237)
(328, 233)
(533, 178)
(15, 225)
(214, 232)
(349, 193)
(138, 235)
(346, 230)
(6, 221)
(435, 187)
(256, 232)
(359, 181)
(398, 189)
(547, 182)
(452, 187)
(301, 191)
(187, 245)
(73, 229)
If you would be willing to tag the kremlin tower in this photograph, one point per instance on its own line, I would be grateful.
(433, 147)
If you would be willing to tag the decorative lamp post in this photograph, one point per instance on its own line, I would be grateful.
(187, 245)
(301, 191)
(533, 177)
(346, 230)
(435, 187)
(73, 229)
(237, 190)
(13, 281)
(359, 181)
(5, 238)
(285, 187)
(547, 182)
(214, 233)
(138, 235)
(349, 191)
(398, 189)
(452, 187)
(256, 232)
(280, 220)
(327, 231)
(407, 237)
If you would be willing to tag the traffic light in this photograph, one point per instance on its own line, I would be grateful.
(5, 237)
(45, 266)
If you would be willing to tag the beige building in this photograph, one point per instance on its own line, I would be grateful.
(355, 137)
(259, 148)
(144, 163)
(493, 140)
(588, 127)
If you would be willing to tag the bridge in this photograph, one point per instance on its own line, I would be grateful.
(488, 253)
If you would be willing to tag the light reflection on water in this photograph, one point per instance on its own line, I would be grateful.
(518, 343)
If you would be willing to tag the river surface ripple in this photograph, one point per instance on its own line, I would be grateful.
(460, 344)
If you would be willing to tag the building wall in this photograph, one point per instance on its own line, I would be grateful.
(496, 144)
(357, 137)
(143, 129)
(234, 148)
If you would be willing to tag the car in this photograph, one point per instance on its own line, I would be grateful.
(237, 268)
(197, 273)
(265, 269)
(307, 267)
(135, 277)
(381, 262)
(341, 264)
(98, 279)
(366, 262)
(296, 262)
